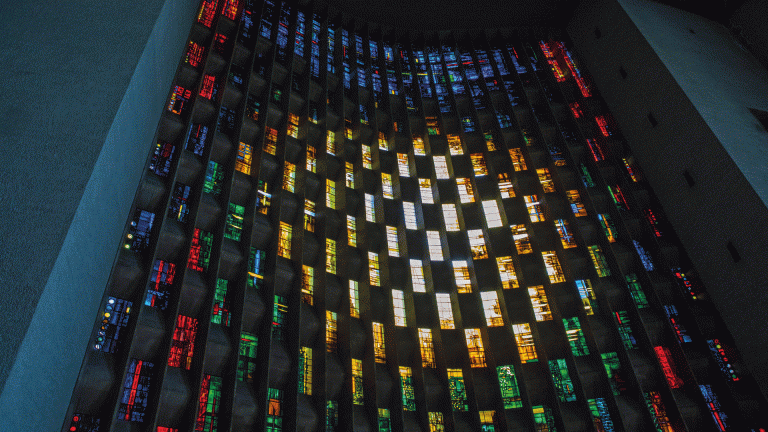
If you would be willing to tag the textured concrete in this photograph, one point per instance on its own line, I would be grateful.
(81, 93)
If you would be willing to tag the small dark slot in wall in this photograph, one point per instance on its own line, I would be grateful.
(692, 31)
(691, 182)
(622, 72)
(761, 116)
(734, 253)
(598, 33)
(652, 119)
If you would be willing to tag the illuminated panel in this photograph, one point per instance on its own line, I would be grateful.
(466, 194)
(677, 326)
(601, 418)
(135, 391)
(599, 261)
(214, 179)
(284, 240)
(194, 54)
(534, 208)
(715, 409)
(478, 164)
(370, 208)
(330, 256)
(279, 313)
(550, 57)
(357, 382)
(402, 165)
(574, 199)
(398, 305)
(197, 137)
(444, 311)
(436, 422)
(717, 349)
(351, 231)
(162, 159)
(586, 177)
(113, 320)
(331, 416)
(454, 145)
(658, 412)
(418, 146)
(554, 271)
(255, 277)
(522, 241)
(650, 217)
(386, 186)
(475, 348)
(518, 161)
(587, 295)
(330, 143)
(608, 228)
(687, 283)
(489, 144)
(632, 170)
(618, 197)
(309, 215)
(461, 274)
(576, 338)
(645, 257)
(330, 194)
(427, 348)
(435, 246)
(282, 32)
(140, 230)
(425, 187)
(507, 272)
(602, 123)
(457, 390)
(563, 384)
(307, 284)
(450, 216)
(384, 421)
(289, 177)
(200, 251)
(409, 393)
(636, 291)
(270, 141)
(417, 276)
(524, 341)
(545, 178)
(354, 299)
(207, 12)
(477, 244)
(85, 423)
(209, 88)
(252, 108)
(543, 418)
(576, 109)
(613, 370)
(179, 99)
(246, 361)
(540, 303)
(492, 309)
(179, 205)
(367, 157)
(373, 269)
(298, 47)
(331, 66)
(274, 410)
(221, 312)
(305, 371)
(158, 293)
(595, 149)
(209, 403)
(492, 216)
(623, 323)
(331, 331)
(505, 186)
(510, 393)
(183, 343)
(668, 366)
(566, 235)
(234, 222)
(379, 347)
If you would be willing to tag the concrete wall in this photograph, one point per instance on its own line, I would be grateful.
(698, 84)
(82, 90)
